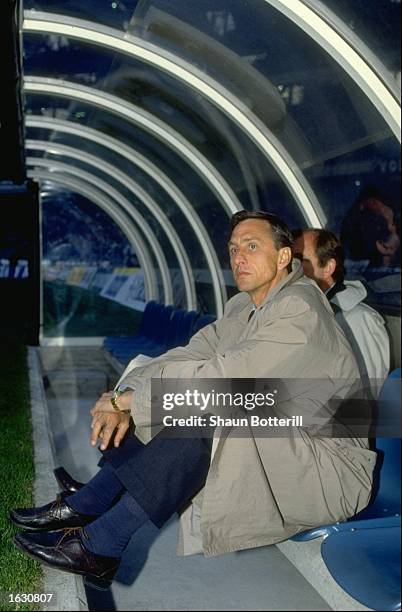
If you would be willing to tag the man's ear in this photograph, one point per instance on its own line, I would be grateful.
(284, 258)
(330, 267)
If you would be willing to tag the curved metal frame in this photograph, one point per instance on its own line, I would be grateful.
(115, 195)
(326, 29)
(138, 191)
(162, 131)
(200, 82)
(126, 226)
(82, 131)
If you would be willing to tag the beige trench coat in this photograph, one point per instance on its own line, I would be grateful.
(261, 491)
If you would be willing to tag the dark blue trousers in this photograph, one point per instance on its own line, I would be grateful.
(162, 475)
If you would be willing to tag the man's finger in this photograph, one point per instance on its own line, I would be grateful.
(96, 431)
(107, 434)
(121, 432)
(99, 416)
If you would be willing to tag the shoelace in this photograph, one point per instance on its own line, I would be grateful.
(66, 533)
(55, 509)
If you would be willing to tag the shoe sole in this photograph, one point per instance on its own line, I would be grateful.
(96, 582)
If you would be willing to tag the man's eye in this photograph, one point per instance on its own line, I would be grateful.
(233, 250)
(252, 246)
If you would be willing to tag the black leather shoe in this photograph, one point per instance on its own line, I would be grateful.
(65, 551)
(52, 517)
(66, 482)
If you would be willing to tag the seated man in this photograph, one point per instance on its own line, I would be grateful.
(254, 490)
(322, 259)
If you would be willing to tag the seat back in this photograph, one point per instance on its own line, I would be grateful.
(172, 329)
(366, 563)
(151, 311)
(204, 320)
(185, 328)
(160, 325)
(386, 499)
(144, 331)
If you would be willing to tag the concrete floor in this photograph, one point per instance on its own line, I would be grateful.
(152, 576)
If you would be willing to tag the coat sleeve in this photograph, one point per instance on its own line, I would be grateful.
(281, 347)
(270, 351)
(201, 347)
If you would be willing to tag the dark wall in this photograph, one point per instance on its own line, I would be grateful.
(19, 263)
(12, 167)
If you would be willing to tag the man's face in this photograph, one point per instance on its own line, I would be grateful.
(256, 264)
(304, 249)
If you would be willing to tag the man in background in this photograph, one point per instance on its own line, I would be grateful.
(322, 257)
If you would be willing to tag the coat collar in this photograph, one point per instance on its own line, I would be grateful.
(294, 275)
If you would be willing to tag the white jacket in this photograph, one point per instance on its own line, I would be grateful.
(365, 329)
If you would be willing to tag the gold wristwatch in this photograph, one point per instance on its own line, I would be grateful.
(113, 401)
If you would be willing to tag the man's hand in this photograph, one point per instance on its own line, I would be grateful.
(104, 404)
(104, 424)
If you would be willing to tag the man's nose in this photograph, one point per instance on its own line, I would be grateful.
(239, 257)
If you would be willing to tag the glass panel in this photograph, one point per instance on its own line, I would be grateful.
(135, 173)
(378, 24)
(83, 251)
(115, 13)
(278, 63)
(156, 227)
(177, 218)
(222, 143)
(329, 127)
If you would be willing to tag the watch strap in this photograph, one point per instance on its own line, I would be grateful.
(113, 401)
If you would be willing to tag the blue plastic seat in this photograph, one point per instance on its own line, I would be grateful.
(152, 345)
(363, 554)
(185, 329)
(364, 558)
(173, 329)
(152, 310)
(386, 498)
(204, 320)
(169, 328)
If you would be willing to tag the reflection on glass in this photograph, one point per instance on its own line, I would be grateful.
(377, 24)
(371, 237)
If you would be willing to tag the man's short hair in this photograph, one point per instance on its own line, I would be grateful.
(282, 235)
(327, 246)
